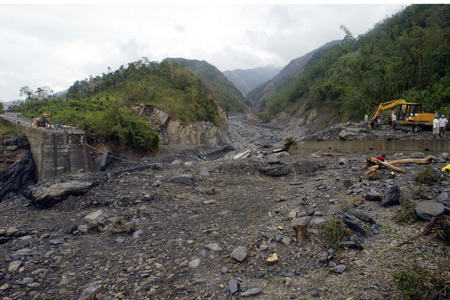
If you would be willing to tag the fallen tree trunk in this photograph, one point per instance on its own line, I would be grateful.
(387, 165)
(425, 160)
(372, 169)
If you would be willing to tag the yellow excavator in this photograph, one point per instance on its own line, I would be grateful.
(42, 121)
(408, 114)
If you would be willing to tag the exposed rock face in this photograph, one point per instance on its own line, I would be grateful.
(174, 132)
(17, 170)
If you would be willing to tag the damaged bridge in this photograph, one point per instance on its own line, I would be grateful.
(55, 152)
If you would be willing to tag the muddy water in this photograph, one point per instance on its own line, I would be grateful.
(382, 146)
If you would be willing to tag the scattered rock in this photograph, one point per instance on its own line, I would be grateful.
(94, 217)
(213, 247)
(391, 197)
(90, 292)
(342, 161)
(182, 179)
(306, 167)
(194, 264)
(234, 286)
(360, 215)
(443, 198)
(274, 170)
(373, 197)
(251, 292)
(351, 245)
(303, 222)
(427, 209)
(353, 224)
(239, 254)
(14, 266)
(340, 269)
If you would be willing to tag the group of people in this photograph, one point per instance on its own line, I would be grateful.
(439, 125)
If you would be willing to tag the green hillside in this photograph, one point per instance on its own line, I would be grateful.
(407, 56)
(101, 105)
(229, 96)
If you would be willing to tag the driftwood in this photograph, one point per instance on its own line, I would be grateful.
(435, 223)
(372, 169)
(391, 164)
(425, 160)
(387, 165)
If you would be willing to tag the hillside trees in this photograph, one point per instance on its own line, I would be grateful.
(101, 105)
(405, 56)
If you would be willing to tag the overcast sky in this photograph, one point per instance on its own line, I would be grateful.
(55, 45)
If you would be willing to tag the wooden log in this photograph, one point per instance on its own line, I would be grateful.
(425, 160)
(379, 162)
(372, 169)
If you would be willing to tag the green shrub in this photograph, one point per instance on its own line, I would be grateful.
(5, 129)
(333, 231)
(407, 213)
(426, 176)
(418, 283)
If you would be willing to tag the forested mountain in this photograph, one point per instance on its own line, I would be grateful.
(257, 96)
(247, 80)
(405, 56)
(229, 96)
(101, 105)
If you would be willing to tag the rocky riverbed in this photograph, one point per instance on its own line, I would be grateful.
(181, 226)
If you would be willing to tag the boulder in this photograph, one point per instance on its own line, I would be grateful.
(182, 179)
(353, 224)
(427, 209)
(360, 215)
(104, 161)
(443, 198)
(391, 197)
(274, 170)
(306, 167)
(47, 196)
(18, 177)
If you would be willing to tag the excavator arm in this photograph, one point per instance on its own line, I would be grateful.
(386, 105)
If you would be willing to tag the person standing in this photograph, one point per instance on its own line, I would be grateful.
(366, 118)
(442, 124)
(435, 127)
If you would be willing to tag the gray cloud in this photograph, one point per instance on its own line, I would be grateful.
(54, 45)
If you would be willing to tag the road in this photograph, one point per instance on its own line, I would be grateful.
(18, 118)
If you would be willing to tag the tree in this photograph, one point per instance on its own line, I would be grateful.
(1, 108)
(44, 92)
(27, 92)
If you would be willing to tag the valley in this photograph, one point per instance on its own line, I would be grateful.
(177, 226)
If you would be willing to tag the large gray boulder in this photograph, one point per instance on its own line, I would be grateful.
(427, 209)
(47, 196)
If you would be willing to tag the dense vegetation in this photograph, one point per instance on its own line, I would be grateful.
(405, 56)
(229, 96)
(101, 105)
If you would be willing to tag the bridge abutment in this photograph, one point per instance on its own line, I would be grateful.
(56, 152)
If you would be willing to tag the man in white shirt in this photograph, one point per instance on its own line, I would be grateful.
(442, 124)
(435, 127)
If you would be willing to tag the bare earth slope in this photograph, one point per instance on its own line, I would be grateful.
(157, 239)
